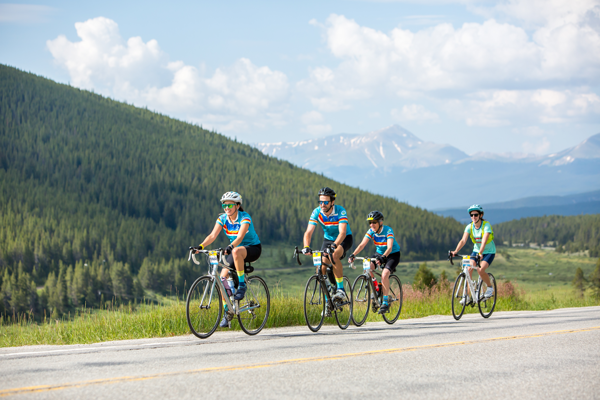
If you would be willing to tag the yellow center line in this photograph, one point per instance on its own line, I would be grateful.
(46, 388)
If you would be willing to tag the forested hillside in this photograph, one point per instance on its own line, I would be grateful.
(100, 198)
(567, 234)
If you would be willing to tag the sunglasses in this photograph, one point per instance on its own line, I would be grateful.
(372, 222)
(474, 215)
(324, 202)
(225, 206)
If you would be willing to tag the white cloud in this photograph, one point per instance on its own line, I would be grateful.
(312, 117)
(233, 99)
(24, 13)
(538, 147)
(504, 107)
(414, 112)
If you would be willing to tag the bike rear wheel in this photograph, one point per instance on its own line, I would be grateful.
(204, 306)
(361, 290)
(257, 301)
(314, 303)
(459, 293)
(343, 309)
(486, 306)
(394, 300)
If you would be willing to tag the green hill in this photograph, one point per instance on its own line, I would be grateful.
(89, 186)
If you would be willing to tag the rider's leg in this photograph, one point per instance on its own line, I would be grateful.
(385, 281)
(484, 275)
(239, 254)
(338, 267)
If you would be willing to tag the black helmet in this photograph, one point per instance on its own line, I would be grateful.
(327, 191)
(375, 215)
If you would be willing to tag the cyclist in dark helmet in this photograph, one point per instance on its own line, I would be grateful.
(484, 248)
(338, 236)
(387, 255)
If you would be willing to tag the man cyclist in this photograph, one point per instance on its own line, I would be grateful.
(484, 249)
(338, 236)
(387, 255)
(244, 243)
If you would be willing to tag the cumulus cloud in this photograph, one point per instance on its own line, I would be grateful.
(522, 57)
(313, 123)
(414, 112)
(234, 98)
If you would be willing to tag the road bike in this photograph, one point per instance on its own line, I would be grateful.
(366, 295)
(204, 304)
(467, 292)
(319, 291)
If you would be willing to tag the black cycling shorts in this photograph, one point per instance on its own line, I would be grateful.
(252, 254)
(346, 244)
(391, 263)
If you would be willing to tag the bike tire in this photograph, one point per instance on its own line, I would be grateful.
(257, 293)
(204, 307)
(457, 295)
(361, 289)
(487, 306)
(394, 300)
(343, 311)
(314, 303)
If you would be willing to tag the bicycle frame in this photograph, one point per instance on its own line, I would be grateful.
(468, 281)
(215, 260)
(367, 272)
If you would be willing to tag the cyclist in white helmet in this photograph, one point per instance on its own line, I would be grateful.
(484, 248)
(244, 243)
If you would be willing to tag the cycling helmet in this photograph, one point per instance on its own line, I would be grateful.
(232, 196)
(476, 207)
(327, 191)
(375, 215)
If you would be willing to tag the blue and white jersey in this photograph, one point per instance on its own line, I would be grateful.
(380, 239)
(331, 223)
(231, 229)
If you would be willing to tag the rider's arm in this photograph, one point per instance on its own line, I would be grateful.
(390, 244)
(361, 246)
(243, 230)
(308, 234)
(462, 242)
(484, 239)
(213, 235)
(343, 228)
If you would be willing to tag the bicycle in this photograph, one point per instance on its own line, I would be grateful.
(204, 303)
(475, 289)
(318, 294)
(363, 300)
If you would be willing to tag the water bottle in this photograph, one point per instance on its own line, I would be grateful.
(227, 287)
(376, 285)
(231, 285)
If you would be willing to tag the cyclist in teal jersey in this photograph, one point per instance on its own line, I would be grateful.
(484, 248)
(387, 256)
(244, 244)
(338, 236)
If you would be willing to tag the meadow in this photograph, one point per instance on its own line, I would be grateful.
(528, 279)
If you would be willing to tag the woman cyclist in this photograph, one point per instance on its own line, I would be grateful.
(387, 256)
(484, 249)
(338, 236)
(244, 244)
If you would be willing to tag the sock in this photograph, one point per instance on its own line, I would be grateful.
(385, 299)
(340, 283)
(241, 277)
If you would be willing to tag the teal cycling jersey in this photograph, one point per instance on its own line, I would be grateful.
(231, 229)
(477, 234)
(331, 223)
(380, 239)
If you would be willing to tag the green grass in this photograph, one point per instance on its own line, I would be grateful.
(531, 288)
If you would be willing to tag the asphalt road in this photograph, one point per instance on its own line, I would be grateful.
(545, 354)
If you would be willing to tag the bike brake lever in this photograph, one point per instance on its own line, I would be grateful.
(297, 255)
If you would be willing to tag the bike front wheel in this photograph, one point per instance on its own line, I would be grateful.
(394, 300)
(343, 308)
(487, 305)
(361, 290)
(254, 307)
(203, 307)
(459, 293)
(314, 304)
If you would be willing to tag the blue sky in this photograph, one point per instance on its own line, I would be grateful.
(508, 76)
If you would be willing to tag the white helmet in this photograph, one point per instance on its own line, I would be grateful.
(232, 196)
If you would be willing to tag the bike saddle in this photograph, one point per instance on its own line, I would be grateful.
(248, 268)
